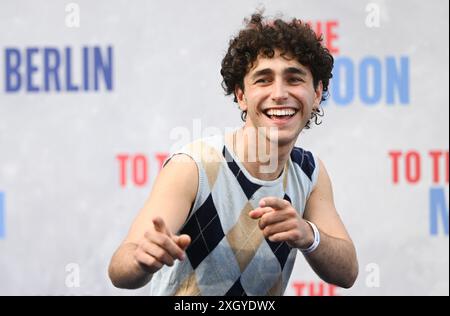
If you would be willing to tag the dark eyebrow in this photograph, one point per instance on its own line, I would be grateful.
(262, 72)
(268, 71)
(295, 71)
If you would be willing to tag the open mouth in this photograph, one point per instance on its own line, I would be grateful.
(280, 114)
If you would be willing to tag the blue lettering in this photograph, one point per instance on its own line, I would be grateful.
(13, 79)
(397, 81)
(345, 65)
(374, 75)
(31, 69)
(55, 69)
(438, 210)
(69, 85)
(51, 68)
(365, 84)
(105, 67)
(86, 69)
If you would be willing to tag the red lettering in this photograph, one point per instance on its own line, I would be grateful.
(332, 290)
(139, 166)
(435, 155)
(412, 166)
(312, 291)
(161, 157)
(314, 288)
(298, 287)
(140, 175)
(122, 168)
(331, 37)
(395, 155)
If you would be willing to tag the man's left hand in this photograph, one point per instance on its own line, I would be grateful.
(279, 222)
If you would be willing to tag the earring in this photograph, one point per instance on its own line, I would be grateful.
(244, 116)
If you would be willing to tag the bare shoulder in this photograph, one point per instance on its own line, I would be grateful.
(179, 177)
(179, 165)
(171, 197)
(323, 186)
(320, 208)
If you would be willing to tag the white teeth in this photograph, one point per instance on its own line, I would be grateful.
(275, 112)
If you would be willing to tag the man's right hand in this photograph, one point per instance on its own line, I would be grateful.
(160, 247)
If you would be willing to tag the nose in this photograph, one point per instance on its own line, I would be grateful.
(279, 92)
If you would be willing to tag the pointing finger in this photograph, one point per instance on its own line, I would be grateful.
(160, 226)
(259, 212)
(276, 203)
(182, 241)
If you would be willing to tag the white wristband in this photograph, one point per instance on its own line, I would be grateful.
(316, 242)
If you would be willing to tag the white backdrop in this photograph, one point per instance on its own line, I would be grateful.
(67, 198)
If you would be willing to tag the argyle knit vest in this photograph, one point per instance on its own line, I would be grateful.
(228, 254)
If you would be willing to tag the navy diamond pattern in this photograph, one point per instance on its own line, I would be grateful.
(247, 186)
(281, 250)
(304, 159)
(236, 289)
(205, 230)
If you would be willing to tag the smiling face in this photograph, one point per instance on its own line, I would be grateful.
(279, 93)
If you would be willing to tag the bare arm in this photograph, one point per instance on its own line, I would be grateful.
(151, 241)
(335, 259)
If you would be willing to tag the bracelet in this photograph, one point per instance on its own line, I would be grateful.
(316, 242)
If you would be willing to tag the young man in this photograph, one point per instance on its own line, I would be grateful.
(222, 219)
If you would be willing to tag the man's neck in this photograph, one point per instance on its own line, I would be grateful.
(263, 159)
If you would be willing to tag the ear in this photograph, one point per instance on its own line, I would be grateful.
(240, 96)
(318, 95)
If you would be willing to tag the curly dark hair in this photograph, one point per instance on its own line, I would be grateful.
(262, 37)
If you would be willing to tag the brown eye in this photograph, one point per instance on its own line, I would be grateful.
(295, 80)
(262, 81)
